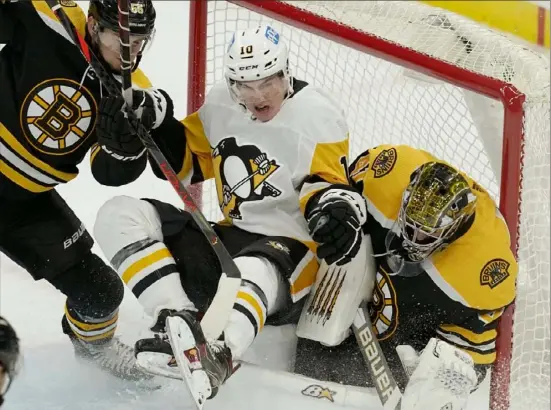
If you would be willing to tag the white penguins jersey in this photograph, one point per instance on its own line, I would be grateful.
(266, 172)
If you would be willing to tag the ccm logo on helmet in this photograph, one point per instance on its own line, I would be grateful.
(248, 67)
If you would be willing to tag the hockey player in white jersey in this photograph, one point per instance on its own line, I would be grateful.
(274, 145)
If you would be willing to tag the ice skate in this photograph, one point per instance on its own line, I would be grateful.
(154, 355)
(110, 355)
(204, 366)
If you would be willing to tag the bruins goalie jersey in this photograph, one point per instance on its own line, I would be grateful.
(459, 293)
(264, 172)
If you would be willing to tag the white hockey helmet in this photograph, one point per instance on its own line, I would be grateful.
(256, 53)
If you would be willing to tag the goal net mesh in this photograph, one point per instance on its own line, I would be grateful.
(385, 102)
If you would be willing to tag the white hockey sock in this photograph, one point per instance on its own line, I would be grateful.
(129, 232)
(152, 276)
(262, 293)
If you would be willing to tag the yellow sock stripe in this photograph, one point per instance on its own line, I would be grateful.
(21, 180)
(144, 263)
(87, 327)
(254, 304)
(105, 335)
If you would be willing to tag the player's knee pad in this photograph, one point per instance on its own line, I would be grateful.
(93, 289)
(123, 221)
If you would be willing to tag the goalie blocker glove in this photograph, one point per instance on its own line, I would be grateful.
(335, 218)
(113, 131)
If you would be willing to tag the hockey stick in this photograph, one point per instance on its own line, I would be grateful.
(218, 313)
(385, 384)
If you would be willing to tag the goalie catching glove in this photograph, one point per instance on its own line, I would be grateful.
(113, 128)
(442, 377)
(335, 218)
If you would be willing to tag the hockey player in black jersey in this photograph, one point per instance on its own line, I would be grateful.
(9, 356)
(51, 116)
(444, 274)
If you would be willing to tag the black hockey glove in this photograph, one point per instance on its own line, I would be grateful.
(113, 127)
(335, 222)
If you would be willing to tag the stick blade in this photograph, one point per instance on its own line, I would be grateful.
(217, 315)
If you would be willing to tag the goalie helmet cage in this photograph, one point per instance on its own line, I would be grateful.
(409, 73)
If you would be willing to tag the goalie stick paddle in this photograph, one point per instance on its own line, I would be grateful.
(217, 315)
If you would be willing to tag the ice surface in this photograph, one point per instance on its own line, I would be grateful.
(51, 379)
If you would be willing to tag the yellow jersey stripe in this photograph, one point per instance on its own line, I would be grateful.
(469, 335)
(12, 142)
(21, 180)
(482, 358)
(306, 278)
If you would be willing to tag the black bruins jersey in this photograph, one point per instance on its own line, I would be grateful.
(458, 293)
(48, 105)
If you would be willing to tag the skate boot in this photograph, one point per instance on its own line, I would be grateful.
(154, 355)
(205, 365)
(110, 355)
(213, 358)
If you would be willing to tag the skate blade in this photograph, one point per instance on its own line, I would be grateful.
(156, 364)
(182, 341)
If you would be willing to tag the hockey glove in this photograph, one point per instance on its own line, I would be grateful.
(113, 130)
(443, 377)
(335, 222)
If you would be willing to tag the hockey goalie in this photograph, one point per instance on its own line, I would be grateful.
(443, 275)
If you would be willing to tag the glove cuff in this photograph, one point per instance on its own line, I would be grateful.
(120, 157)
(162, 104)
(344, 193)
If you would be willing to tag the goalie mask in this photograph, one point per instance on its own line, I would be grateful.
(257, 71)
(437, 201)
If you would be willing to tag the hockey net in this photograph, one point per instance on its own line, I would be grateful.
(408, 73)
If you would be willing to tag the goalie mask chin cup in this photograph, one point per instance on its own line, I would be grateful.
(398, 259)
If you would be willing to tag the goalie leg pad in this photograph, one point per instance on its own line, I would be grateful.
(335, 297)
(443, 379)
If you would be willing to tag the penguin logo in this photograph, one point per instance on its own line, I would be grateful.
(243, 174)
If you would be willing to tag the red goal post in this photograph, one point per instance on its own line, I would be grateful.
(409, 73)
